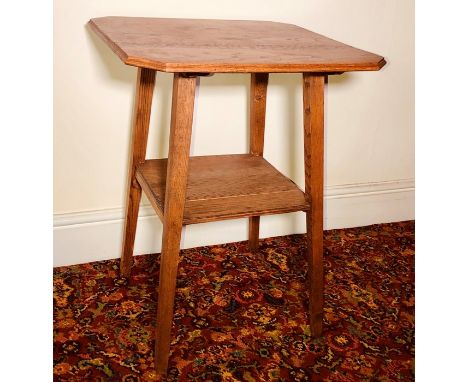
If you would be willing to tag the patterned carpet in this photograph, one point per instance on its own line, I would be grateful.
(242, 316)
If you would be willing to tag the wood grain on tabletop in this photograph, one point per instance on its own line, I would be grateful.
(208, 46)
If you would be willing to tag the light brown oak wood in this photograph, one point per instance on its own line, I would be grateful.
(224, 187)
(183, 45)
(313, 96)
(187, 190)
(141, 118)
(183, 96)
(258, 97)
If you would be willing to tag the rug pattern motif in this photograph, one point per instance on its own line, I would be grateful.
(243, 317)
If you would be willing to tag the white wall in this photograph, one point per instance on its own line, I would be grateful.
(369, 118)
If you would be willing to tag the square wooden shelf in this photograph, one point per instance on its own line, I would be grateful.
(225, 187)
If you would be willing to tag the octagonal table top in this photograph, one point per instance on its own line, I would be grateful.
(227, 46)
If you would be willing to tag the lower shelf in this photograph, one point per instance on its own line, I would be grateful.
(225, 187)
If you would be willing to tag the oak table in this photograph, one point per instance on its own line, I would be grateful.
(188, 190)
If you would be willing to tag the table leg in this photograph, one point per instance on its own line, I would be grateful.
(183, 96)
(141, 119)
(258, 93)
(314, 86)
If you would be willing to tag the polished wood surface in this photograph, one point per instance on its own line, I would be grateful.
(209, 46)
(258, 97)
(313, 97)
(183, 96)
(188, 190)
(225, 187)
(141, 118)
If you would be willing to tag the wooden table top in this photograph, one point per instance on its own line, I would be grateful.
(227, 46)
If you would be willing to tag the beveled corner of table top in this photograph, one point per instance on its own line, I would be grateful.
(227, 46)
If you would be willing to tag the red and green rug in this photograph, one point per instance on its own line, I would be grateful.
(243, 317)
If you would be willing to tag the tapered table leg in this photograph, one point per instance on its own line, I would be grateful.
(258, 93)
(183, 95)
(141, 119)
(313, 88)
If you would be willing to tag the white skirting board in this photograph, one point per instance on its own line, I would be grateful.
(83, 237)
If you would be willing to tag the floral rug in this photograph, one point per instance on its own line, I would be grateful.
(243, 317)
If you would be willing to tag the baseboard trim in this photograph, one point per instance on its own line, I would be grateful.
(85, 236)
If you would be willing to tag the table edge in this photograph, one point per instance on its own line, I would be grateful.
(201, 67)
(210, 67)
